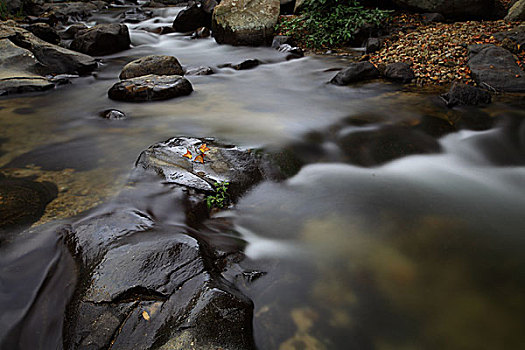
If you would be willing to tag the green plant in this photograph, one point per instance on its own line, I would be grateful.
(221, 198)
(329, 23)
(4, 13)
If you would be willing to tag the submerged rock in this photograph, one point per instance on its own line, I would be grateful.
(494, 68)
(150, 88)
(155, 64)
(356, 72)
(375, 147)
(463, 94)
(245, 23)
(23, 201)
(102, 39)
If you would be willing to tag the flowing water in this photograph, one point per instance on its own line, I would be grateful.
(423, 252)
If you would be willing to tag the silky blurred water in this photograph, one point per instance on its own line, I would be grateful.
(423, 252)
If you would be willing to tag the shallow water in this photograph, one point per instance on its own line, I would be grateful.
(423, 252)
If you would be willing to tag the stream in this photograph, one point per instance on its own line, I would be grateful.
(420, 252)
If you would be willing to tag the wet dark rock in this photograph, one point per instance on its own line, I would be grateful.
(248, 64)
(512, 40)
(494, 68)
(241, 168)
(113, 114)
(55, 59)
(355, 72)
(195, 16)
(250, 25)
(201, 33)
(43, 31)
(136, 15)
(377, 146)
(373, 45)
(150, 88)
(432, 17)
(516, 12)
(156, 64)
(463, 94)
(73, 30)
(450, 8)
(292, 52)
(73, 11)
(199, 71)
(102, 39)
(399, 72)
(23, 201)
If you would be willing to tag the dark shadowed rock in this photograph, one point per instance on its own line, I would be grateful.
(355, 72)
(201, 33)
(150, 88)
(73, 30)
(399, 72)
(199, 71)
(23, 201)
(102, 39)
(450, 8)
(194, 16)
(248, 64)
(372, 45)
(73, 11)
(113, 114)
(43, 31)
(512, 40)
(240, 23)
(157, 64)
(136, 15)
(432, 17)
(463, 94)
(494, 67)
(375, 147)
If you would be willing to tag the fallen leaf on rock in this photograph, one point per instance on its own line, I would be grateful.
(145, 315)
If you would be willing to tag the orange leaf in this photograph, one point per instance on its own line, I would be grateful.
(200, 158)
(203, 148)
(188, 154)
(145, 315)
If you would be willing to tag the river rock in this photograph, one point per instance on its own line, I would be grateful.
(244, 65)
(291, 52)
(43, 31)
(136, 15)
(494, 67)
(399, 72)
(194, 16)
(221, 163)
(463, 94)
(201, 33)
(23, 201)
(245, 23)
(356, 72)
(512, 40)
(102, 39)
(199, 71)
(55, 59)
(432, 17)
(375, 147)
(156, 64)
(450, 8)
(73, 11)
(113, 114)
(72, 30)
(516, 12)
(372, 45)
(19, 70)
(150, 88)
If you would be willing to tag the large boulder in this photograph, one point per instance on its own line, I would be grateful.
(196, 15)
(516, 12)
(248, 23)
(19, 70)
(55, 59)
(44, 31)
(450, 8)
(495, 68)
(102, 39)
(150, 88)
(157, 64)
(355, 72)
